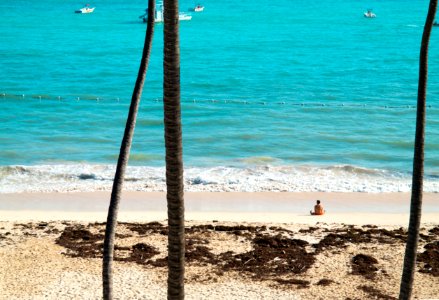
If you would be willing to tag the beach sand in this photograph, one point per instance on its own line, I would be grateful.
(239, 246)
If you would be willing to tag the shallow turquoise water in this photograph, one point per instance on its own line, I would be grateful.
(302, 86)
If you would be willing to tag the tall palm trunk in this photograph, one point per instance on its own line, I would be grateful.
(173, 143)
(107, 273)
(418, 164)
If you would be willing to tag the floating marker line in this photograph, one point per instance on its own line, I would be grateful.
(215, 102)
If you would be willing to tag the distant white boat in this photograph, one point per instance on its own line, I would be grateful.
(85, 10)
(184, 17)
(369, 14)
(197, 8)
(159, 17)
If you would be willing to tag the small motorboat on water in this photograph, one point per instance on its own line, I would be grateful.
(369, 14)
(85, 10)
(197, 8)
(184, 17)
(158, 15)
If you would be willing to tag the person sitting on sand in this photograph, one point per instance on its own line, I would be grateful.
(318, 209)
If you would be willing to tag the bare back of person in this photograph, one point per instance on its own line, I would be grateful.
(318, 209)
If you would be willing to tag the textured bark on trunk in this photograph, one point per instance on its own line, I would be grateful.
(173, 143)
(110, 229)
(409, 268)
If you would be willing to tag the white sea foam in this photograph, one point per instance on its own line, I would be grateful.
(86, 177)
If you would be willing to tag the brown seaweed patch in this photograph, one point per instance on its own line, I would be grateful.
(349, 234)
(140, 253)
(272, 256)
(369, 226)
(25, 226)
(313, 230)
(42, 225)
(81, 242)
(300, 283)
(201, 255)
(239, 230)
(432, 234)
(309, 230)
(280, 229)
(429, 259)
(376, 294)
(52, 231)
(434, 230)
(148, 228)
(196, 240)
(389, 236)
(159, 263)
(325, 282)
(363, 265)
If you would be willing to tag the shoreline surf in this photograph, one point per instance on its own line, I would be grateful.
(84, 177)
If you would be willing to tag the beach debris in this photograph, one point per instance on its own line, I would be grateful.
(200, 254)
(298, 282)
(139, 253)
(298, 259)
(272, 256)
(338, 238)
(81, 242)
(312, 229)
(434, 230)
(376, 294)
(429, 259)
(364, 265)
(325, 282)
(148, 228)
(272, 253)
(43, 224)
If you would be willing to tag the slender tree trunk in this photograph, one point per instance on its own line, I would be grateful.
(173, 142)
(110, 229)
(418, 164)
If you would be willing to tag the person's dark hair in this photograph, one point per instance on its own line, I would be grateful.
(318, 201)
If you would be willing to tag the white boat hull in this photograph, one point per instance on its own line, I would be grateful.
(158, 16)
(85, 10)
(160, 20)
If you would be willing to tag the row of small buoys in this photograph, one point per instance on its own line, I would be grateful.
(215, 101)
(303, 104)
(47, 97)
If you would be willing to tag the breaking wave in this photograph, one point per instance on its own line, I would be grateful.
(88, 178)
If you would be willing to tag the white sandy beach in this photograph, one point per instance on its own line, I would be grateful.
(285, 207)
(35, 265)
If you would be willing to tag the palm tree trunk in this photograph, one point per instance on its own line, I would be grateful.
(418, 164)
(173, 143)
(110, 229)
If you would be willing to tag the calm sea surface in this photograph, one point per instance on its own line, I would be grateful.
(283, 95)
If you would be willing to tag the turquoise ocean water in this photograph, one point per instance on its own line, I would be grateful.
(280, 95)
